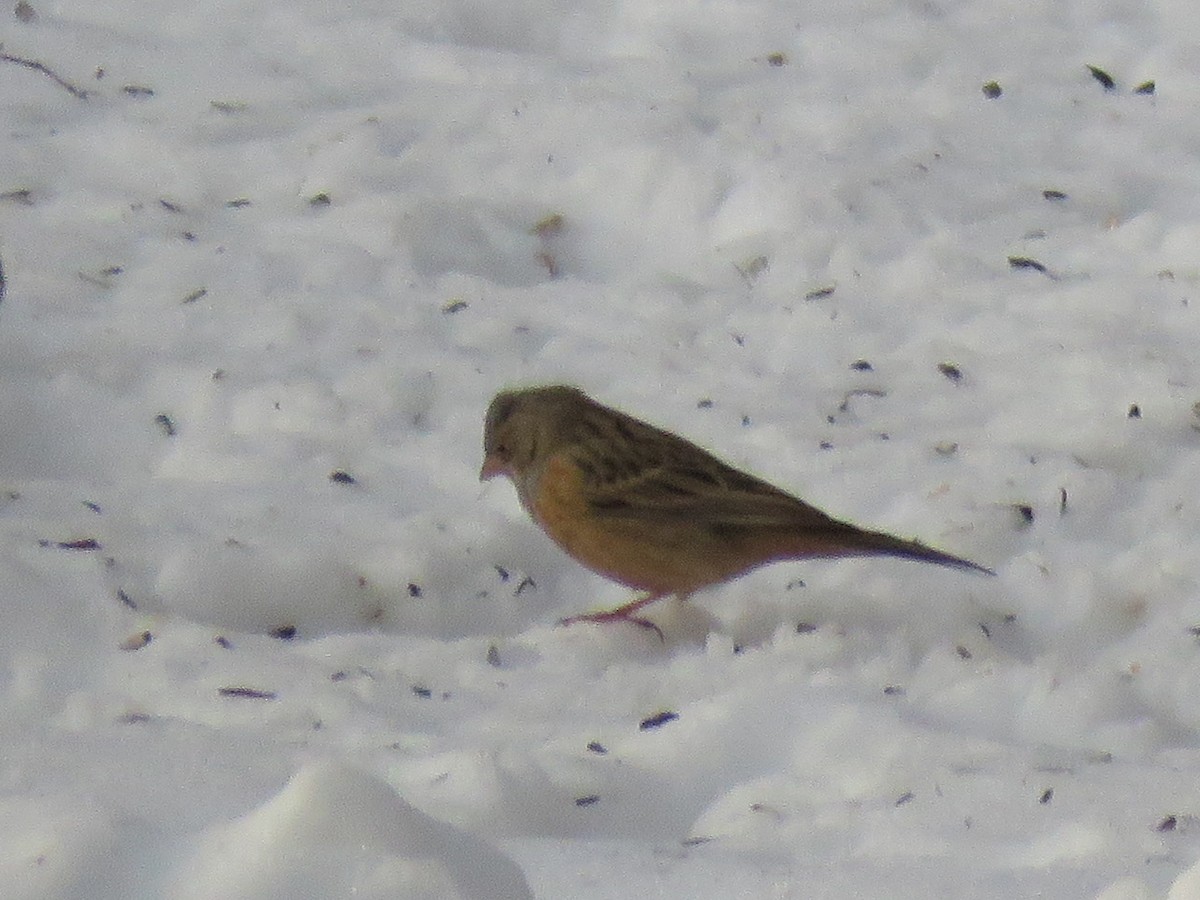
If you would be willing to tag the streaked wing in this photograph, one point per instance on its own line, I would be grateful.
(668, 480)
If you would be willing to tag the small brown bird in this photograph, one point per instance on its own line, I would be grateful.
(651, 510)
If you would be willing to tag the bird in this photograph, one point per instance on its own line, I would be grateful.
(652, 511)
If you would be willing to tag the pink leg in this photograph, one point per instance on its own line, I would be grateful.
(622, 614)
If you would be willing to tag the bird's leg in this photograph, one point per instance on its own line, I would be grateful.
(621, 614)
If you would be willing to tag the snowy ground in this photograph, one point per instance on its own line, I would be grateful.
(279, 241)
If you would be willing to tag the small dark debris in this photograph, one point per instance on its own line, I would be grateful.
(223, 642)
(589, 800)
(992, 90)
(704, 403)
(341, 476)
(906, 797)
(820, 293)
(657, 720)
(775, 60)
(1052, 194)
(163, 421)
(137, 90)
(1025, 511)
(1135, 412)
(951, 371)
(1047, 796)
(246, 693)
(238, 203)
(493, 656)
(320, 200)
(23, 196)
(1025, 262)
(1169, 823)
(861, 365)
(805, 628)
(195, 295)
(526, 584)
(414, 590)
(893, 690)
(596, 747)
(421, 691)
(125, 599)
(963, 652)
(80, 544)
(454, 306)
(1146, 87)
(283, 632)
(1106, 80)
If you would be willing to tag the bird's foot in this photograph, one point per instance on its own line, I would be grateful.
(621, 614)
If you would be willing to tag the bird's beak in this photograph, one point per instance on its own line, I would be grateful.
(491, 468)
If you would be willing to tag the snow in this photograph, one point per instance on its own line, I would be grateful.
(266, 635)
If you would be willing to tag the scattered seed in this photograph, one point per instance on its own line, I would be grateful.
(1106, 80)
(951, 371)
(657, 720)
(80, 544)
(163, 421)
(246, 693)
(23, 196)
(1025, 262)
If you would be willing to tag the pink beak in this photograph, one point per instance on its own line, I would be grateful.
(491, 468)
